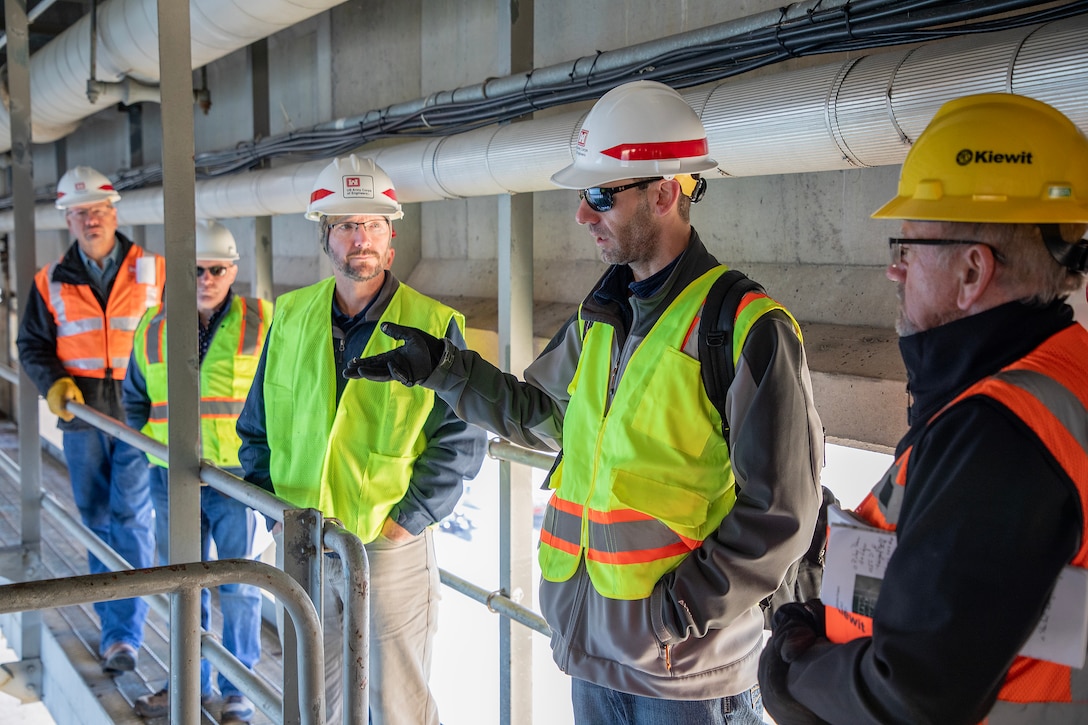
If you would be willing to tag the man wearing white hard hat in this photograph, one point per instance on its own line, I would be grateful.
(387, 464)
(666, 530)
(74, 341)
(232, 332)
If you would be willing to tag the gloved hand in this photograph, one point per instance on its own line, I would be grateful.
(795, 628)
(411, 363)
(59, 394)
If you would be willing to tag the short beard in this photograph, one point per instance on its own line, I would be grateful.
(636, 241)
(343, 266)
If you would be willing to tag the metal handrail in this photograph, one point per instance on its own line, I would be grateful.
(49, 593)
(259, 691)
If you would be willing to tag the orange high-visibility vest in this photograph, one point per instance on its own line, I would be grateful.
(1048, 390)
(96, 343)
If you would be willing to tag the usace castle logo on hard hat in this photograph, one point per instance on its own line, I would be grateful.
(989, 156)
(582, 136)
(358, 187)
(81, 186)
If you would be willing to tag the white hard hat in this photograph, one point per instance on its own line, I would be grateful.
(639, 129)
(83, 185)
(214, 242)
(350, 186)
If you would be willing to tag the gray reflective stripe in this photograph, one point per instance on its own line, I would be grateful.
(253, 326)
(159, 412)
(1051, 713)
(889, 495)
(222, 407)
(86, 363)
(154, 340)
(563, 526)
(120, 363)
(89, 324)
(1059, 400)
(627, 536)
(124, 324)
(56, 299)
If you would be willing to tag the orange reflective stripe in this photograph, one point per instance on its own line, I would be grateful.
(637, 557)
(618, 516)
(567, 507)
(845, 626)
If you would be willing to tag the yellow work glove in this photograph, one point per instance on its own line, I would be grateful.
(59, 394)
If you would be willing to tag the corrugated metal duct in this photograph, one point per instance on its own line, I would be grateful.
(128, 50)
(857, 113)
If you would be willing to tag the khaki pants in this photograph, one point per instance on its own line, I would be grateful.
(404, 594)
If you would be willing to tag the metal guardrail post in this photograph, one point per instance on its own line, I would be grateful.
(354, 591)
(302, 561)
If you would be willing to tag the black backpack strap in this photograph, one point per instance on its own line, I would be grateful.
(716, 337)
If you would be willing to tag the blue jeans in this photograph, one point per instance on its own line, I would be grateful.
(594, 705)
(109, 484)
(231, 524)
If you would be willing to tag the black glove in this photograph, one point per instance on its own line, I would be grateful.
(411, 363)
(795, 628)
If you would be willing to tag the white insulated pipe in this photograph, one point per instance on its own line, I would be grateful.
(861, 112)
(127, 50)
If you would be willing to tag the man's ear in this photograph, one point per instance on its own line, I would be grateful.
(976, 275)
(668, 196)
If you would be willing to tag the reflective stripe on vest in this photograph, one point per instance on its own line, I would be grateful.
(645, 475)
(351, 460)
(226, 375)
(1048, 390)
(92, 342)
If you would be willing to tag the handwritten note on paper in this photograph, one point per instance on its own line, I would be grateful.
(1062, 633)
(857, 556)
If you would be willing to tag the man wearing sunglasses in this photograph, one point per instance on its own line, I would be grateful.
(987, 495)
(74, 341)
(232, 332)
(664, 533)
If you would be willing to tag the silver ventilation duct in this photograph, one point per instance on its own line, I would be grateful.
(861, 112)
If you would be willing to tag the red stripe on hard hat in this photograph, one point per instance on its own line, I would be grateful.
(106, 187)
(391, 194)
(662, 150)
(320, 194)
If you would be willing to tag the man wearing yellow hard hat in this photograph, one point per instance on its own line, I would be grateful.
(980, 613)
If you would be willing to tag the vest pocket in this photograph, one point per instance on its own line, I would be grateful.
(680, 508)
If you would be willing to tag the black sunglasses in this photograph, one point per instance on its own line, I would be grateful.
(216, 271)
(600, 198)
(899, 246)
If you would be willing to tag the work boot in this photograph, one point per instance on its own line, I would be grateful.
(119, 657)
(237, 709)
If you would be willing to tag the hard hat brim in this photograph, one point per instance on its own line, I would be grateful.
(996, 211)
(575, 177)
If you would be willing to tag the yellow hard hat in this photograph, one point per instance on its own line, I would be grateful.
(995, 157)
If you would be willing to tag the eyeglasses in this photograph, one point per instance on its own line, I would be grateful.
(600, 198)
(898, 247)
(346, 230)
(82, 214)
(216, 271)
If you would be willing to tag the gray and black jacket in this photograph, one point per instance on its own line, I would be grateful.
(707, 609)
